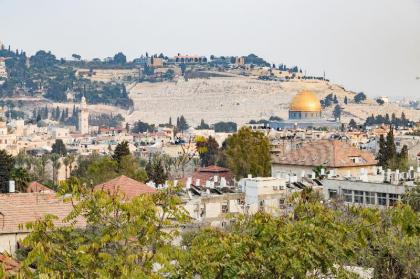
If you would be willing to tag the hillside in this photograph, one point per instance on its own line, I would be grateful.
(238, 99)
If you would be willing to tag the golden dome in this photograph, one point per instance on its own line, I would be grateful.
(305, 101)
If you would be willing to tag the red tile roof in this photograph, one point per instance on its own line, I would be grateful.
(35, 187)
(20, 208)
(130, 188)
(214, 169)
(329, 153)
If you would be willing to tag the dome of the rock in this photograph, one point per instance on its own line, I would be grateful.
(305, 105)
(305, 101)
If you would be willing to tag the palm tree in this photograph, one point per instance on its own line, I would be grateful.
(72, 158)
(55, 159)
(42, 164)
(21, 177)
(66, 163)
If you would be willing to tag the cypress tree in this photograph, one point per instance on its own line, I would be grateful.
(382, 154)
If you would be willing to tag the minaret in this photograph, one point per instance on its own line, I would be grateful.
(83, 117)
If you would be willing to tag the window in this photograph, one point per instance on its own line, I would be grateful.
(381, 198)
(332, 193)
(393, 199)
(358, 196)
(348, 196)
(369, 198)
(281, 203)
(225, 207)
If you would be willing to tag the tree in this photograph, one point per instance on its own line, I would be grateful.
(6, 165)
(337, 112)
(56, 164)
(275, 118)
(382, 153)
(120, 58)
(352, 124)
(411, 197)
(380, 102)
(76, 56)
(59, 147)
(327, 239)
(120, 151)
(182, 124)
(225, 127)
(121, 239)
(248, 152)
(21, 177)
(203, 125)
(155, 170)
(391, 149)
(208, 149)
(402, 158)
(142, 127)
(359, 97)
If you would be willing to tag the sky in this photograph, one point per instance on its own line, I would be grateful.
(371, 46)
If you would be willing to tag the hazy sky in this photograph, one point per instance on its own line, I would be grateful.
(364, 45)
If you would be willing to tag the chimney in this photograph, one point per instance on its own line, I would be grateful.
(12, 186)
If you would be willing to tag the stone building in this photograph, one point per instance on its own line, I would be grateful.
(83, 117)
(340, 157)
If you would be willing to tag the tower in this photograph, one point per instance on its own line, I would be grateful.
(83, 117)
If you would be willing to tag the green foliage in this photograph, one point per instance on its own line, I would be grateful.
(107, 120)
(395, 121)
(120, 151)
(337, 112)
(134, 239)
(225, 127)
(203, 125)
(412, 197)
(155, 170)
(120, 58)
(359, 97)
(96, 169)
(142, 127)
(208, 149)
(275, 118)
(6, 165)
(181, 124)
(255, 60)
(380, 102)
(352, 124)
(313, 241)
(121, 239)
(21, 177)
(248, 152)
(59, 147)
(388, 157)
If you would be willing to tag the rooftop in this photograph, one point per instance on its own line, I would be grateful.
(130, 188)
(328, 153)
(17, 209)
